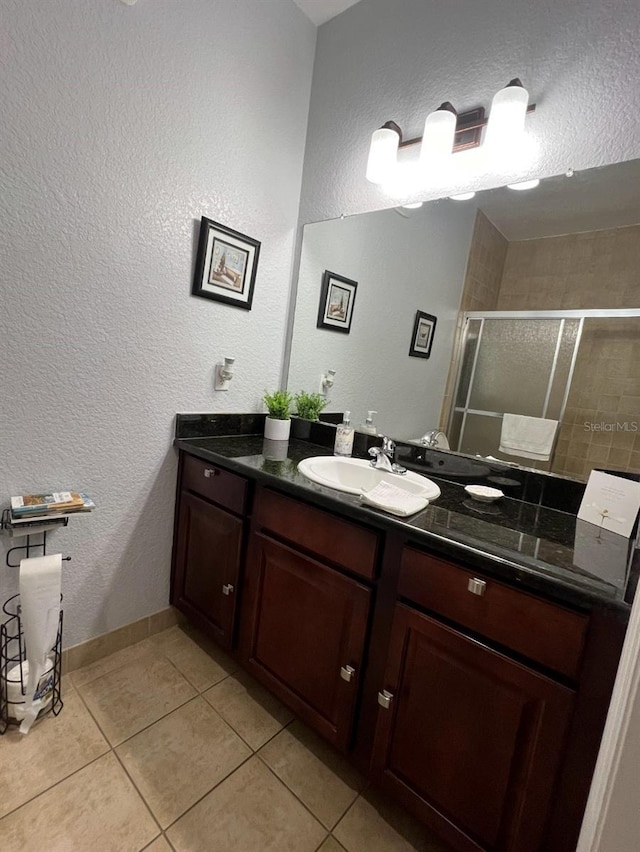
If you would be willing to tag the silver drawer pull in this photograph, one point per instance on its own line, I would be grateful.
(347, 672)
(209, 472)
(227, 589)
(476, 586)
(385, 698)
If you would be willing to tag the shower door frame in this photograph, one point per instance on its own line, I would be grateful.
(562, 315)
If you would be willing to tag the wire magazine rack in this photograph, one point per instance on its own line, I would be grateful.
(13, 651)
(12, 655)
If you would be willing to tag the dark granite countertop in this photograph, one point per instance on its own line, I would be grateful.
(526, 544)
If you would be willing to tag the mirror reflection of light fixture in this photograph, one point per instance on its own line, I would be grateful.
(326, 381)
(224, 374)
(524, 184)
(446, 132)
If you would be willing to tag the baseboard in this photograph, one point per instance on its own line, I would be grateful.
(101, 646)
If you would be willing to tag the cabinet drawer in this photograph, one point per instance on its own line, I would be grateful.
(206, 479)
(550, 634)
(335, 540)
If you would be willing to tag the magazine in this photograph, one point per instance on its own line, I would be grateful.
(54, 505)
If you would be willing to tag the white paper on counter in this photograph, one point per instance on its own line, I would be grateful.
(611, 502)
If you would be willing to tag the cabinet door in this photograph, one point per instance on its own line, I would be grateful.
(470, 741)
(207, 566)
(304, 634)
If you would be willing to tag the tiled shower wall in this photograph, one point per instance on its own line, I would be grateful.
(597, 269)
(483, 277)
(601, 427)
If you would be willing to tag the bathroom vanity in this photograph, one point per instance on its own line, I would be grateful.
(465, 673)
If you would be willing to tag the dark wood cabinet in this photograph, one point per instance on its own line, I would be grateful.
(304, 633)
(208, 549)
(468, 739)
(477, 704)
(207, 567)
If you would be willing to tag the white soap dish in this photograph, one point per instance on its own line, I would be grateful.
(483, 493)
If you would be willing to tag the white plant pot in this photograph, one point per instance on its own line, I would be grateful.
(277, 430)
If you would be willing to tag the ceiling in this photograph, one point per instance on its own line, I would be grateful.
(320, 11)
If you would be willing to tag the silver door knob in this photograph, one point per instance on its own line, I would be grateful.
(347, 672)
(385, 698)
(227, 589)
(476, 586)
(209, 472)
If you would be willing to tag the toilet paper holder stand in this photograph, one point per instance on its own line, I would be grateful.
(28, 530)
(12, 645)
(12, 656)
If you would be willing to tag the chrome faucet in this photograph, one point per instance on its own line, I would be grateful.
(382, 457)
(432, 437)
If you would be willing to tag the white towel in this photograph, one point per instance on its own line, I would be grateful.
(529, 437)
(396, 501)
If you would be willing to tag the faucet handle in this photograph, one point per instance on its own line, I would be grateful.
(388, 446)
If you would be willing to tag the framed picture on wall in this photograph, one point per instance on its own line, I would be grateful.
(337, 298)
(226, 265)
(422, 337)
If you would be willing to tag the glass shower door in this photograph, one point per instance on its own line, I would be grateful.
(516, 365)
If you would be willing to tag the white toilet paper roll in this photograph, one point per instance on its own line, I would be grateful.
(17, 678)
(40, 586)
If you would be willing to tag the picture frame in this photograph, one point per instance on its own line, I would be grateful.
(424, 328)
(226, 265)
(337, 298)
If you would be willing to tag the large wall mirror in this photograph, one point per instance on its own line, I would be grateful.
(537, 300)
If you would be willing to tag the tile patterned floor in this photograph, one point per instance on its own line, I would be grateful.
(167, 747)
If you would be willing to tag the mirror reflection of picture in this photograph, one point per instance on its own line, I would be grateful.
(336, 302)
(422, 338)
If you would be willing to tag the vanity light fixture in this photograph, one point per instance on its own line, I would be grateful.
(438, 137)
(383, 152)
(413, 206)
(326, 381)
(224, 374)
(462, 196)
(447, 132)
(507, 117)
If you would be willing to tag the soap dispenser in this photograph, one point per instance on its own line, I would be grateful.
(368, 427)
(344, 436)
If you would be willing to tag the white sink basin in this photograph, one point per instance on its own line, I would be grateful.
(356, 475)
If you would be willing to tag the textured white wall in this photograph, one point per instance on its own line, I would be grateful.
(403, 262)
(121, 127)
(384, 60)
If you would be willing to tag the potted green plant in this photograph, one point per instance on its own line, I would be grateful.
(308, 407)
(278, 422)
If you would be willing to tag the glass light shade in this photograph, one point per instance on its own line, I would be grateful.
(383, 154)
(507, 116)
(524, 184)
(438, 136)
(462, 196)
